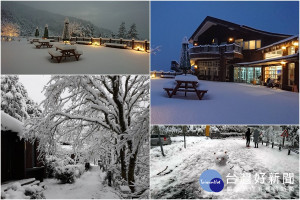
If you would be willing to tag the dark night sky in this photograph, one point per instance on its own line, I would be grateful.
(171, 21)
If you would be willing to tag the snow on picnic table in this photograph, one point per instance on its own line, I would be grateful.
(24, 58)
(88, 186)
(224, 103)
(186, 166)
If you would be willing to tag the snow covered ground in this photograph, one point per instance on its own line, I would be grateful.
(88, 186)
(224, 103)
(24, 58)
(181, 178)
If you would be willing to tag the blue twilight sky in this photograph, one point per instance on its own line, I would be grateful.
(171, 21)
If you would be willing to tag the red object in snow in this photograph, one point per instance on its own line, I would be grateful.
(165, 138)
(285, 133)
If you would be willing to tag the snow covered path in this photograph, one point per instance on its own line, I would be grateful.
(225, 103)
(24, 58)
(181, 179)
(88, 186)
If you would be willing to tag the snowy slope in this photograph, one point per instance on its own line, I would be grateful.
(24, 58)
(224, 103)
(181, 179)
(29, 18)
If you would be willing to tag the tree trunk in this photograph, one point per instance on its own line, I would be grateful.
(123, 164)
(131, 169)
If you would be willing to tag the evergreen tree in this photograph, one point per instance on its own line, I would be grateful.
(37, 33)
(122, 31)
(46, 35)
(132, 33)
(185, 63)
(66, 31)
(92, 31)
(15, 100)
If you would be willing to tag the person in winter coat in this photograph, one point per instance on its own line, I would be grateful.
(255, 137)
(247, 135)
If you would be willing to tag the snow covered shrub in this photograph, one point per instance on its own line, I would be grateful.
(52, 162)
(16, 191)
(68, 173)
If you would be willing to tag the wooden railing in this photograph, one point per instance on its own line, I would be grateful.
(216, 48)
(142, 45)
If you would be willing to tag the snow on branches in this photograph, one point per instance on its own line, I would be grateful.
(113, 109)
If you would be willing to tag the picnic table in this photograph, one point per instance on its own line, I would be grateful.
(64, 50)
(43, 43)
(185, 83)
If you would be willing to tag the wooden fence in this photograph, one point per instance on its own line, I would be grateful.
(142, 45)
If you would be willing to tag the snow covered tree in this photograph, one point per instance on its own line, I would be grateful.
(10, 30)
(122, 31)
(185, 63)
(66, 31)
(15, 100)
(37, 33)
(132, 33)
(75, 29)
(46, 34)
(113, 109)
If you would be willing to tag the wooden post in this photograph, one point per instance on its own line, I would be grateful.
(283, 141)
(272, 144)
(120, 40)
(109, 40)
(91, 40)
(146, 45)
(76, 39)
(132, 44)
(279, 147)
(184, 130)
(100, 41)
(289, 152)
(156, 130)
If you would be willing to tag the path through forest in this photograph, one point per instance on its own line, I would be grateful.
(88, 186)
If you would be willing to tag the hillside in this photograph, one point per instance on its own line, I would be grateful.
(29, 18)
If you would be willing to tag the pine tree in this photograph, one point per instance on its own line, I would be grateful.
(66, 31)
(132, 33)
(15, 100)
(185, 63)
(122, 31)
(46, 35)
(37, 33)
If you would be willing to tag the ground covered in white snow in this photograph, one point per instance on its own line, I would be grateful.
(24, 58)
(181, 178)
(224, 103)
(88, 186)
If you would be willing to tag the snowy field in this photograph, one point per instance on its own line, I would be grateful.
(181, 178)
(224, 103)
(88, 186)
(24, 58)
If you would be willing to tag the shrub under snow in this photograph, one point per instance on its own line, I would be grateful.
(68, 173)
(16, 191)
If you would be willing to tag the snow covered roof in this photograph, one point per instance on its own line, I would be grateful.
(278, 59)
(280, 42)
(9, 123)
(211, 21)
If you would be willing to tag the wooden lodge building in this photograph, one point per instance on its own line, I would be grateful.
(18, 157)
(225, 51)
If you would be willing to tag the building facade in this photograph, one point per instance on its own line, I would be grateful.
(225, 51)
(19, 158)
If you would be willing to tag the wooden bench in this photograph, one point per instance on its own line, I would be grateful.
(37, 45)
(55, 54)
(122, 46)
(84, 42)
(200, 93)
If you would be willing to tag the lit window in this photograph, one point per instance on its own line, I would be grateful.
(252, 44)
(258, 44)
(291, 74)
(291, 50)
(246, 45)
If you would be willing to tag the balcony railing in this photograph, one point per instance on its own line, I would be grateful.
(216, 49)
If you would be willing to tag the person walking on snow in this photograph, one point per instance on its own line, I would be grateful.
(247, 135)
(255, 137)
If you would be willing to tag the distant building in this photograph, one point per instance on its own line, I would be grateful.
(18, 157)
(225, 51)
